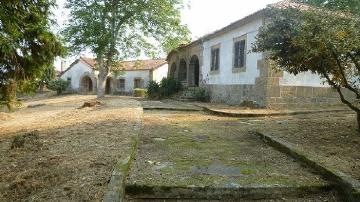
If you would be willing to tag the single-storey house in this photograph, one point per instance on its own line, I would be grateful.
(223, 64)
(83, 75)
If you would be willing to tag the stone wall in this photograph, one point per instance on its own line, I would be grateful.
(280, 97)
(302, 96)
(231, 94)
(267, 91)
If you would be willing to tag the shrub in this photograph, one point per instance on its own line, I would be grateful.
(201, 95)
(170, 86)
(139, 92)
(58, 85)
(30, 140)
(153, 90)
(250, 104)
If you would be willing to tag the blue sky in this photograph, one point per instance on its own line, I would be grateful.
(201, 16)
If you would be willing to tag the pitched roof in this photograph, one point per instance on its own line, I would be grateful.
(141, 64)
(134, 65)
(242, 21)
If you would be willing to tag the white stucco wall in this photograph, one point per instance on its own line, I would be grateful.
(160, 73)
(302, 79)
(130, 76)
(75, 73)
(226, 75)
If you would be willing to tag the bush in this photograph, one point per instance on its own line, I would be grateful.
(153, 90)
(170, 86)
(58, 85)
(201, 95)
(139, 92)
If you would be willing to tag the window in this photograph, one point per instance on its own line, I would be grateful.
(121, 84)
(137, 83)
(215, 58)
(240, 53)
(69, 79)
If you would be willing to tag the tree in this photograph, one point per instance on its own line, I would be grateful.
(350, 6)
(47, 75)
(318, 41)
(117, 29)
(58, 85)
(27, 46)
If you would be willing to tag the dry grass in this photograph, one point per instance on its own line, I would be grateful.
(74, 154)
(331, 138)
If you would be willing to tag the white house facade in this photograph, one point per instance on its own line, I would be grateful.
(82, 76)
(231, 73)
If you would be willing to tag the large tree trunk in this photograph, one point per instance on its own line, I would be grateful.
(358, 121)
(102, 82)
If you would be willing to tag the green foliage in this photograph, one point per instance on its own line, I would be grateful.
(116, 30)
(201, 94)
(316, 41)
(153, 90)
(139, 92)
(47, 75)
(58, 85)
(350, 6)
(170, 86)
(27, 46)
(166, 88)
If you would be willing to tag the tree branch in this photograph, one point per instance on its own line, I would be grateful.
(357, 64)
(342, 97)
(343, 75)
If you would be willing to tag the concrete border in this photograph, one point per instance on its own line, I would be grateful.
(171, 109)
(249, 115)
(348, 186)
(213, 193)
(116, 188)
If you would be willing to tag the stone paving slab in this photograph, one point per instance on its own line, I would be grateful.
(187, 153)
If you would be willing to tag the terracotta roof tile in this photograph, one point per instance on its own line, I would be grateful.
(131, 65)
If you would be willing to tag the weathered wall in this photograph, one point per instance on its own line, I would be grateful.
(159, 73)
(130, 76)
(302, 79)
(76, 73)
(230, 85)
(288, 91)
(194, 49)
(227, 75)
(259, 81)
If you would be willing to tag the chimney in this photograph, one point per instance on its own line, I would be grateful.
(62, 65)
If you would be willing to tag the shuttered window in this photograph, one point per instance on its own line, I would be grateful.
(137, 83)
(121, 84)
(215, 59)
(239, 54)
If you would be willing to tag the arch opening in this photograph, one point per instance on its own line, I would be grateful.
(194, 70)
(172, 70)
(182, 70)
(86, 85)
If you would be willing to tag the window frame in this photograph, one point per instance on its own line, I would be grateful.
(140, 81)
(235, 57)
(215, 62)
(119, 84)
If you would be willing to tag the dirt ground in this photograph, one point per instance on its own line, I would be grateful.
(183, 149)
(72, 151)
(331, 138)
